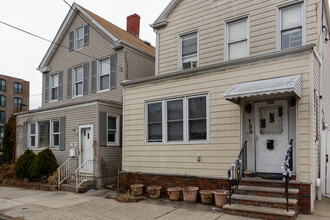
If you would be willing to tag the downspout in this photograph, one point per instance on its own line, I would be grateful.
(157, 52)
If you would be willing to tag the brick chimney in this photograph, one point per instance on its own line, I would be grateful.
(133, 24)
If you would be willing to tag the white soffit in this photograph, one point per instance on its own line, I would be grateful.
(291, 84)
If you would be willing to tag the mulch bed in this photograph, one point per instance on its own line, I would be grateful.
(8, 178)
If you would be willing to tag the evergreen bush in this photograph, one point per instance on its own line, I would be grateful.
(44, 165)
(23, 164)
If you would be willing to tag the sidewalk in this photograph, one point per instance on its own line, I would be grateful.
(33, 204)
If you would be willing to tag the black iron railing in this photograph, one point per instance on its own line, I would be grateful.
(287, 168)
(236, 172)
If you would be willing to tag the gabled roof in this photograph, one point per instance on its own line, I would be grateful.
(114, 32)
(161, 20)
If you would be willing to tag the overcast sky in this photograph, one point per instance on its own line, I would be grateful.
(21, 54)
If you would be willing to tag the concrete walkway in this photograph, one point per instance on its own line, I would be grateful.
(33, 204)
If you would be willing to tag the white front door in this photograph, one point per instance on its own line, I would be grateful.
(86, 149)
(271, 136)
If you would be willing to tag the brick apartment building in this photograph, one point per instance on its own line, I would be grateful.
(14, 96)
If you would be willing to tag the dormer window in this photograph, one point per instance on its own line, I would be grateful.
(79, 38)
(188, 51)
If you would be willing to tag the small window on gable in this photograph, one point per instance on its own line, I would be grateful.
(54, 86)
(2, 85)
(189, 51)
(237, 39)
(18, 88)
(79, 38)
(104, 74)
(291, 26)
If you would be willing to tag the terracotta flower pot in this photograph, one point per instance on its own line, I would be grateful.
(154, 191)
(221, 197)
(206, 196)
(190, 194)
(137, 189)
(174, 193)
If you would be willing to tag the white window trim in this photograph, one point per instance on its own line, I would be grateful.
(116, 143)
(76, 40)
(185, 121)
(51, 139)
(180, 65)
(51, 88)
(247, 17)
(74, 82)
(35, 135)
(279, 22)
(99, 76)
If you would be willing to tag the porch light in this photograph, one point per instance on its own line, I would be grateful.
(248, 108)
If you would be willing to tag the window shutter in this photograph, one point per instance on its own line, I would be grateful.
(113, 71)
(71, 40)
(69, 83)
(86, 74)
(121, 130)
(86, 34)
(47, 88)
(103, 128)
(25, 130)
(62, 133)
(94, 75)
(60, 85)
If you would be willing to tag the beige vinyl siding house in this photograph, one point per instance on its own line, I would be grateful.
(259, 65)
(81, 113)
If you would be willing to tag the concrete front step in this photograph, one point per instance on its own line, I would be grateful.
(257, 181)
(264, 201)
(84, 187)
(266, 191)
(259, 212)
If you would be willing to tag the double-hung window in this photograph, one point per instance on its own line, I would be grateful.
(237, 45)
(78, 81)
(188, 50)
(2, 132)
(180, 120)
(32, 134)
(17, 103)
(113, 130)
(104, 74)
(291, 26)
(79, 38)
(2, 100)
(18, 88)
(2, 85)
(55, 133)
(2, 116)
(43, 133)
(54, 86)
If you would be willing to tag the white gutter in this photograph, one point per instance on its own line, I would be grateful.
(157, 52)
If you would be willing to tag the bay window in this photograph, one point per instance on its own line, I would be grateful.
(291, 26)
(181, 120)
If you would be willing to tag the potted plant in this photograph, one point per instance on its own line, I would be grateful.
(206, 195)
(154, 191)
(174, 193)
(137, 189)
(221, 197)
(190, 194)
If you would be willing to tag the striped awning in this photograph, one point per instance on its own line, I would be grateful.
(287, 84)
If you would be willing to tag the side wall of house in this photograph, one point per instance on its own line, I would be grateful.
(224, 120)
(209, 17)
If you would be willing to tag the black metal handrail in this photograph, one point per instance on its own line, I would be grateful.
(287, 169)
(236, 171)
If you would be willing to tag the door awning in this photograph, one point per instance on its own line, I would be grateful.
(287, 84)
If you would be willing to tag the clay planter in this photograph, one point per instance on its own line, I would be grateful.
(154, 191)
(174, 193)
(221, 197)
(137, 189)
(206, 196)
(190, 194)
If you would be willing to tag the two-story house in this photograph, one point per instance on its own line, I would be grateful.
(230, 72)
(82, 96)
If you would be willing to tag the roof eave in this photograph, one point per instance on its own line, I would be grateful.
(169, 8)
(159, 24)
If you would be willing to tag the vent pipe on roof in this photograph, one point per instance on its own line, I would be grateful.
(133, 24)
